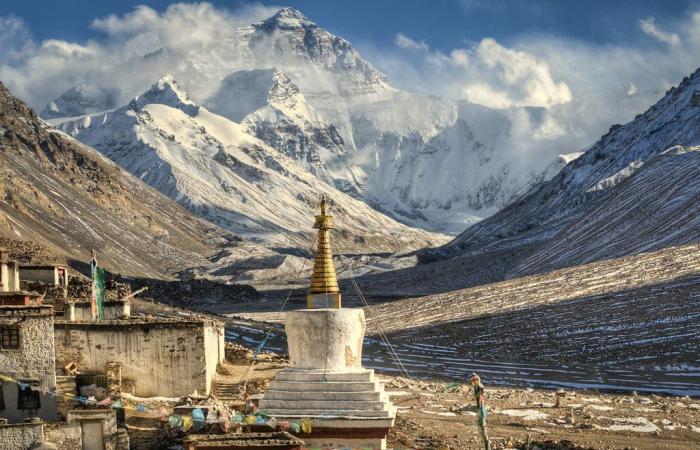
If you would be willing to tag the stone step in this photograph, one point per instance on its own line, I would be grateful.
(328, 386)
(316, 413)
(363, 405)
(226, 384)
(276, 394)
(320, 375)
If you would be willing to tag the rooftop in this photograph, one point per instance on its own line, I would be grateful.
(20, 310)
(41, 266)
(159, 322)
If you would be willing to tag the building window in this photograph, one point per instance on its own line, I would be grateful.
(28, 398)
(10, 338)
(2, 396)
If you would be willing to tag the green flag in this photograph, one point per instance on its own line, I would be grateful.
(98, 289)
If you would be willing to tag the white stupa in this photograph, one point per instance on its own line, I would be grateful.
(325, 381)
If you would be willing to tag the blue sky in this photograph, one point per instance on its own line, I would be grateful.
(442, 24)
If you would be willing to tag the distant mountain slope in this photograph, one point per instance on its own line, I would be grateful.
(657, 206)
(581, 187)
(590, 280)
(55, 190)
(216, 169)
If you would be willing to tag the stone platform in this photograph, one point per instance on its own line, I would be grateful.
(326, 382)
(347, 409)
(296, 393)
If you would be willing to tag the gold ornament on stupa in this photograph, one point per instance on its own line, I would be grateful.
(324, 290)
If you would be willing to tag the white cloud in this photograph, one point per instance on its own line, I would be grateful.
(505, 77)
(403, 41)
(130, 51)
(650, 28)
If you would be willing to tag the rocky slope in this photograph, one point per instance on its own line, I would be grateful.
(657, 206)
(618, 183)
(424, 160)
(216, 169)
(56, 190)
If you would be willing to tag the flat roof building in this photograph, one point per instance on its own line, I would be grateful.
(166, 357)
(51, 274)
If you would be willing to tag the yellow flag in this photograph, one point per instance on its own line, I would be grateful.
(306, 425)
(186, 423)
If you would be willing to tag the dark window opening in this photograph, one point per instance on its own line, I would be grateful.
(28, 398)
(2, 396)
(9, 338)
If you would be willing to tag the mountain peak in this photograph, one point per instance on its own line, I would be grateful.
(166, 91)
(81, 99)
(287, 18)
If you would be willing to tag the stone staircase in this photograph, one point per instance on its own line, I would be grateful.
(65, 386)
(226, 390)
(296, 393)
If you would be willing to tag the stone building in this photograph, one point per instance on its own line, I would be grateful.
(9, 273)
(80, 311)
(52, 275)
(84, 429)
(157, 357)
(27, 355)
(21, 436)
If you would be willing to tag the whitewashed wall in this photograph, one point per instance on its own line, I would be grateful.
(162, 358)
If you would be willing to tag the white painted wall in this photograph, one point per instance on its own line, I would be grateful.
(9, 276)
(325, 338)
(163, 358)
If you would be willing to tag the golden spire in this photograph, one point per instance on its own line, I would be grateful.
(324, 283)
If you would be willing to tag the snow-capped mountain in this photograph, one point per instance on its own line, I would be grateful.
(215, 168)
(424, 160)
(80, 100)
(271, 107)
(57, 191)
(627, 194)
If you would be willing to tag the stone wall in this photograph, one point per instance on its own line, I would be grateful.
(165, 357)
(66, 436)
(21, 436)
(34, 360)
